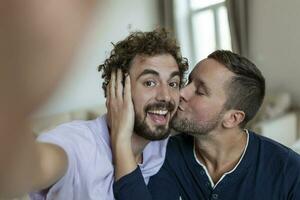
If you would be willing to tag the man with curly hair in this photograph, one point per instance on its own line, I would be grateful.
(76, 157)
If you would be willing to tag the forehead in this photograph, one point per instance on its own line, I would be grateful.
(164, 64)
(212, 73)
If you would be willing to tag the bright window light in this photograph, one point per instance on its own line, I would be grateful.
(225, 40)
(203, 29)
(198, 4)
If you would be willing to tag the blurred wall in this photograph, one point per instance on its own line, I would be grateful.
(113, 21)
(275, 43)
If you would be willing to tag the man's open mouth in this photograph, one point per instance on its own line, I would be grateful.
(158, 116)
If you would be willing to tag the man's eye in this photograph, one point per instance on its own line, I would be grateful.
(199, 93)
(150, 83)
(174, 84)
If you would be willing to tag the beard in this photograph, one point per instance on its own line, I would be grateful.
(192, 127)
(142, 129)
(160, 132)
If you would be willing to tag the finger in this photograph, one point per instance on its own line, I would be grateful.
(127, 89)
(108, 105)
(119, 86)
(112, 84)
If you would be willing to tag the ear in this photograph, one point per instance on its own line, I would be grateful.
(233, 118)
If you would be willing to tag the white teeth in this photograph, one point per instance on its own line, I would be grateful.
(158, 112)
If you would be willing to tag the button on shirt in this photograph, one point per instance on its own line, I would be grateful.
(206, 175)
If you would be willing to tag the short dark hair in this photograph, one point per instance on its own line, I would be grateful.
(246, 89)
(152, 43)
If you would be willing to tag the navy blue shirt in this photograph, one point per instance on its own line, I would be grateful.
(268, 170)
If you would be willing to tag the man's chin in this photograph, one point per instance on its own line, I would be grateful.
(153, 137)
(180, 125)
(150, 130)
(160, 133)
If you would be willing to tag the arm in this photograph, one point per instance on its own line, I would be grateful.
(121, 120)
(131, 186)
(32, 166)
(162, 186)
(130, 183)
(37, 42)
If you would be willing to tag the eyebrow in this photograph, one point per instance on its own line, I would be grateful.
(148, 71)
(155, 73)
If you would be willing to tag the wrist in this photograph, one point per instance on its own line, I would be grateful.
(120, 135)
(121, 147)
(120, 140)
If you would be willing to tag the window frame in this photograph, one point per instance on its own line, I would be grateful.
(217, 34)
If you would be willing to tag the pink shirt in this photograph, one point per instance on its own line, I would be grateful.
(90, 172)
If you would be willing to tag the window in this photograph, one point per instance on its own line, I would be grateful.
(202, 27)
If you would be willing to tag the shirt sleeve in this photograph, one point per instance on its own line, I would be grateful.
(163, 185)
(62, 137)
(132, 186)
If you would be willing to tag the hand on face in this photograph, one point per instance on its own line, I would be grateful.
(120, 108)
(120, 117)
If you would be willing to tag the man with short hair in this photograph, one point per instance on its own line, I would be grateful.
(214, 157)
(75, 159)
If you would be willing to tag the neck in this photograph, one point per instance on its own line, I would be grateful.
(220, 151)
(138, 145)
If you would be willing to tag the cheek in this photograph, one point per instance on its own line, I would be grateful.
(138, 104)
(202, 110)
(175, 97)
(140, 99)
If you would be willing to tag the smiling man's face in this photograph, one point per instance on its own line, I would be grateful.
(155, 84)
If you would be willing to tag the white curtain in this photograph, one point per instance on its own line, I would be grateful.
(166, 14)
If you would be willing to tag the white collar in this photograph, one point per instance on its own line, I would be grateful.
(223, 176)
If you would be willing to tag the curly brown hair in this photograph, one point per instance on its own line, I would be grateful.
(152, 43)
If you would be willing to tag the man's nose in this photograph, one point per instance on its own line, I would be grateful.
(186, 93)
(164, 94)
